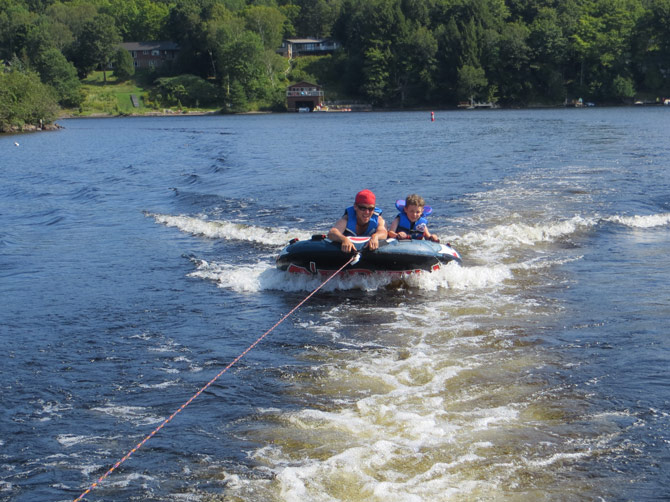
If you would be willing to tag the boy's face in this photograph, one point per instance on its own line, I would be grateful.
(413, 212)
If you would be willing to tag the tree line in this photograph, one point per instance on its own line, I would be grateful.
(395, 53)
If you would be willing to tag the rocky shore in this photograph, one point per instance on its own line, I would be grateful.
(31, 128)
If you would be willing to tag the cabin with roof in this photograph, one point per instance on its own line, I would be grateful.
(151, 54)
(295, 47)
(303, 96)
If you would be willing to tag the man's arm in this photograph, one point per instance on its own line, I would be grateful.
(380, 233)
(336, 234)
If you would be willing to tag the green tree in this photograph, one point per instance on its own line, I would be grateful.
(240, 57)
(245, 63)
(467, 32)
(651, 49)
(138, 20)
(74, 15)
(449, 60)
(188, 90)
(15, 23)
(622, 88)
(37, 39)
(365, 23)
(316, 17)
(60, 74)
(267, 23)
(49, 32)
(276, 67)
(472, 83)
(24, 99)
(375, 32)
(415, 64)
(194, 24)
(123, 64)
(314, 69)
(238, 98)
(96, 45)
(418, 11)
(375, 72)
(602, 45)
(548, 56)
(394, 51)
(123, 13)
(510, 67)
(151, 21)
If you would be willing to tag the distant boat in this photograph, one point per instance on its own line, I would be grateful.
(304, 109)
(487, 104)
(474, 105)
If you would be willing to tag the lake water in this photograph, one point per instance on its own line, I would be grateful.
(137, 261)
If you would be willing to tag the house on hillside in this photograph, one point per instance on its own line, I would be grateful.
(151, 54)
(295, 47)
(304, 95)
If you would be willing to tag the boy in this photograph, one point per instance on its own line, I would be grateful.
(411, 223)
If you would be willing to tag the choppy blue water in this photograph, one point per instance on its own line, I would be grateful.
(136, 261)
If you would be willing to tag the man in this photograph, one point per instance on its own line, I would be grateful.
(361, 219)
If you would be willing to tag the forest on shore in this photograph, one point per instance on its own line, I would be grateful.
(395, 53)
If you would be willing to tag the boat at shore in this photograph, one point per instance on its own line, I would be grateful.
(320, 255)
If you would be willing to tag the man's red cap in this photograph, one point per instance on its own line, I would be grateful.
(365, 197)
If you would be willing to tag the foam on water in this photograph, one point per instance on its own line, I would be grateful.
(427, 427)
(403, 438)
(242, 279)
(491, 247)
(518, 376)
(432, 403)
(442, 412)
(504, 241)
(51, 410)
(70, 440)
(559, 457)
(263, 276)
(161, 385)
(136, 414)
(123, 480)
(217, 229)
(639, 221)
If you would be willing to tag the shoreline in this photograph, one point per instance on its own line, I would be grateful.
(147, 114)
(54, 126)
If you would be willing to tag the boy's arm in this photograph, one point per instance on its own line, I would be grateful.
(392, 230)
(429, 236)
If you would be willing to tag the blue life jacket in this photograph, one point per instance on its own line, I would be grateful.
(414, 230)
(351, 222)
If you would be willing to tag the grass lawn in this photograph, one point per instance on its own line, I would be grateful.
(112, 97)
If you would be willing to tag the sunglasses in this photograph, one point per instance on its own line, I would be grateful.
(366, 208)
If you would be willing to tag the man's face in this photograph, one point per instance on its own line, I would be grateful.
(363, 213)
(413, 212)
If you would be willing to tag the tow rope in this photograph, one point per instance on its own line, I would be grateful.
(353, 260)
